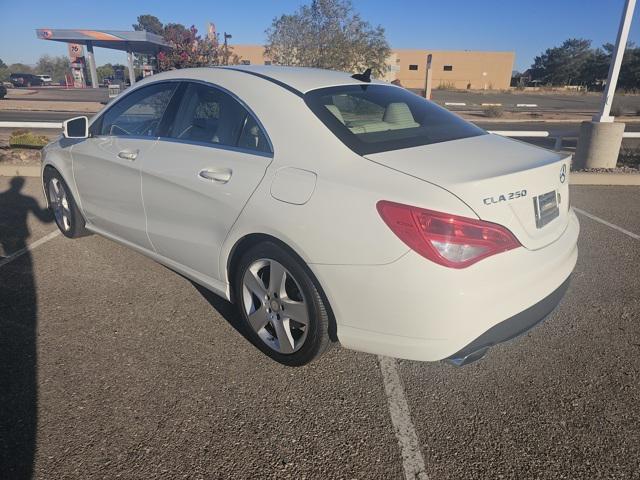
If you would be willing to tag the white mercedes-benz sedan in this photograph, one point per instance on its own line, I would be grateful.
(327, 207)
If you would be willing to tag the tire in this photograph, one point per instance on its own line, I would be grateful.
(273, 316)
(63, 206)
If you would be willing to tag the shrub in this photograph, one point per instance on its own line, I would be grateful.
(617, 110)
(446, 86)
(493, 111)
(26, 139)
(629, 157)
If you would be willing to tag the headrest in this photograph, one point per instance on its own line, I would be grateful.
(398, 113)
(336, 113)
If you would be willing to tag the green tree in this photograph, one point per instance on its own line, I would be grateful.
(327, 34)
(149, 23)
(575, 62)
(104, 71)
(189, 48)
(4, 72)
(629, 78)
(596, 68)
(563, 65)
(57, 67)
(20, 68)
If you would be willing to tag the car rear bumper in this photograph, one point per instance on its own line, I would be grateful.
(510, 328)
(417, 310)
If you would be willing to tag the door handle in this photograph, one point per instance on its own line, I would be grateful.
(128, 155)
(219, 176)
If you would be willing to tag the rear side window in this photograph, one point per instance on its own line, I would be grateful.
(139, 113)
(378, 118)
(212, 116)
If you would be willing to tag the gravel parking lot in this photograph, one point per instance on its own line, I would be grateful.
(112, 366)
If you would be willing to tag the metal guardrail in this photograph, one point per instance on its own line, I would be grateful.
(559, 136)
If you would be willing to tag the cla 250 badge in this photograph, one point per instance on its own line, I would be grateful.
(505, 197)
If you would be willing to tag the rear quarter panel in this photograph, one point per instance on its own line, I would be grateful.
(339, 224)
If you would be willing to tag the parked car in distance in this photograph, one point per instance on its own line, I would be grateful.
(46, 79)
(3, 91)
(25, 80)
(327, 207)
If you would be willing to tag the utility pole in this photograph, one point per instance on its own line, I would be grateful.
(600, 140)
(226, 47)
(428, 79)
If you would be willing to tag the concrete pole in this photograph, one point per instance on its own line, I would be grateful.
(92, 65)
(616, 61)
(132, 73)
(428, 79)
(600, 140)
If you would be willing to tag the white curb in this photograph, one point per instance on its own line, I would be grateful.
(47, 125)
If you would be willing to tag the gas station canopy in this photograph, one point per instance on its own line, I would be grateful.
(128, 41)
(138, 42)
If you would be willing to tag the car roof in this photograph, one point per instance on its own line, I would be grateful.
(302, 79)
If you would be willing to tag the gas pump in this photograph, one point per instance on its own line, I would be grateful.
(147, 70)
(77, 72)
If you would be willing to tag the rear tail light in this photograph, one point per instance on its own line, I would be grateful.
(448, 240)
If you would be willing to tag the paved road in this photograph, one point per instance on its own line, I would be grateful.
(31, 116)
(28, 116)
(550, 102)
(114, 366)
(63, 94)
(557, 101)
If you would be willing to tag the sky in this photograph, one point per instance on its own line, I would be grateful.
(525, 27)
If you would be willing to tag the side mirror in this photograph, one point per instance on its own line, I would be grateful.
(77, 127)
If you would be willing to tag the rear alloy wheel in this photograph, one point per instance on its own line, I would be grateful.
(64, 208)
(281, 306)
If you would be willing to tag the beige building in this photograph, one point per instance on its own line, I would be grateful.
(251, 54)
(467, 69)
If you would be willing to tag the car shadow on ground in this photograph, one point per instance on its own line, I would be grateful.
(226, 309)
(18, 335)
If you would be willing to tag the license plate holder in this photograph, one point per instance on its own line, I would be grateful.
(546, 208)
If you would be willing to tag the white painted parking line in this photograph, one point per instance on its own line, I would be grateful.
(526, 104)
(28, 248)
(491, 104)
(610, 225)
(456, 104)
(412, 460)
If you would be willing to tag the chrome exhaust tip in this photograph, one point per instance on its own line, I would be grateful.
(467, 359)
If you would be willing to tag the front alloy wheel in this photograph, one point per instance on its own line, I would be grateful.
(60, 204)
(64, 208)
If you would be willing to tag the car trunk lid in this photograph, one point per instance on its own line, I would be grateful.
(517, 185)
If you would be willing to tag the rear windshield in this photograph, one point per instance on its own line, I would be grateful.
(378, 118)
